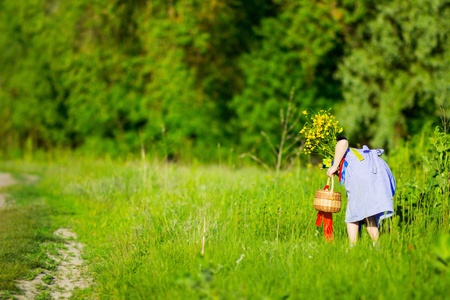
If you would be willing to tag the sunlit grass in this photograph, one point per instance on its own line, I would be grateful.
(23, 228)
(143, 232)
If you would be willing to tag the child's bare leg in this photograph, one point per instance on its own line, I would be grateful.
(352, 230)
(372, 228)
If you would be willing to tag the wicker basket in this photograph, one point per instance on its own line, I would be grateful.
(326, 200)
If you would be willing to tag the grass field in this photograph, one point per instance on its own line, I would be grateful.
(143, 227)
(25, 227)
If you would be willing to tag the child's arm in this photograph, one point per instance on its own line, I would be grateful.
(341, 149)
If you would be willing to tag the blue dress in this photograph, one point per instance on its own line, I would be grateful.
(370, 185)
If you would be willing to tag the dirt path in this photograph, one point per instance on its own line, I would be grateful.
(5, 180)
(71, 270)
(69, 275)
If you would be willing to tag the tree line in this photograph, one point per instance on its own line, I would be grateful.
(183, 76)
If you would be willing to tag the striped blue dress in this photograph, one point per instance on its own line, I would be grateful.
(370, 185)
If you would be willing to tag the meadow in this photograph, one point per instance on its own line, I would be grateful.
(142, 223)
(141, 120)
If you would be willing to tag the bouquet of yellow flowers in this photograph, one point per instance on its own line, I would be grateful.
(320, 131)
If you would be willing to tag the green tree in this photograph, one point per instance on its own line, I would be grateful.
(96, 73)
(298, 48)
(30, 105)
(396, 72)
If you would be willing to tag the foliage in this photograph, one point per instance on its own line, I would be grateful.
(180, 77)
(320, 130)
(442, 251)
(288, 149)
(419, 195)
(396, 72)
(437, 167)
(96, 73)
(298, 48)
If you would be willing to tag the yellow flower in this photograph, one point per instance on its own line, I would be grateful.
(305, 112)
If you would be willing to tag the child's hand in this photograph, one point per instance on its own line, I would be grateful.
(331, 170)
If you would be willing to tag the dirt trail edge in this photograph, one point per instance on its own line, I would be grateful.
(69, 275)
(71, 268)
(5, 180)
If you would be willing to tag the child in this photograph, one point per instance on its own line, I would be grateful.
(370, 187)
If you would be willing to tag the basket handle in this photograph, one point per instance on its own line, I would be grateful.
(332, 184)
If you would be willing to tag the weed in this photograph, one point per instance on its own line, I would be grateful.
(43, 295)
(42, 287)
(48, 278)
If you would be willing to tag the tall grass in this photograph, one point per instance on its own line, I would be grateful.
(143, 229)
(23, 228)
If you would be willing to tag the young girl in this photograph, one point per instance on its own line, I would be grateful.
(370, 187)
